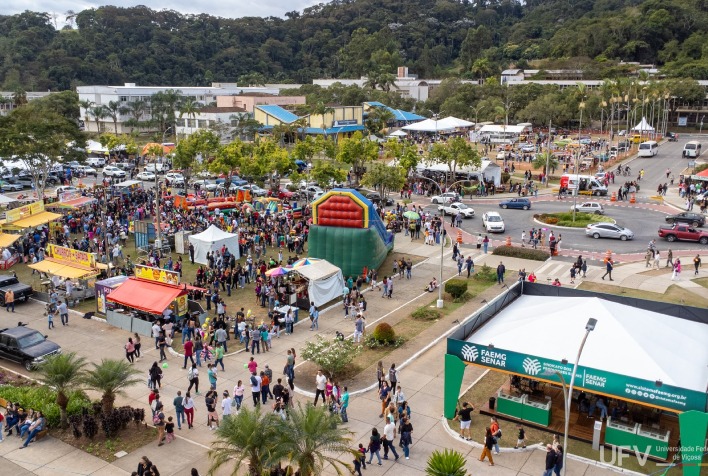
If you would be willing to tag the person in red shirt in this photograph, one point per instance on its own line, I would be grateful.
(556, 282)
(532, 277)
(153, 395)
(188, 352)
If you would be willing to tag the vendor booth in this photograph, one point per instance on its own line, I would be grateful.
(139, 301)
(9, 256)
(27, 216)
(634, 363)
(324, 282)
(71, 200)
(104, 288)
(213, 239)
(64, 264)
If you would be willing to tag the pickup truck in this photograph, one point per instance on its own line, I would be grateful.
(454, 208)
(9, 281)
(26, 346)
(679, 232)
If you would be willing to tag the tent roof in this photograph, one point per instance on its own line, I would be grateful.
(212, 234)
(318, 270)
(454, 122)
(492, 128)
(398, 133)
(627, 340)
(643, 126)
(4, 200)
(428, 125)
(145, 295)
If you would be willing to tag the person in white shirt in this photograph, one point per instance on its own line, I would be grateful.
(389, 435)
(320, 383)
(226, 405)
(255, 388)
(156, 333)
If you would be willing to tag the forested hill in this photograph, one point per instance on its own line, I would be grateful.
(110, 45)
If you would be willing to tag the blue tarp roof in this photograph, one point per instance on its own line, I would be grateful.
(283, 115)
(399, 114)
(334, 130)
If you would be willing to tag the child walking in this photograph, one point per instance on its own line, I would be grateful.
(170, 430)
(521, 439)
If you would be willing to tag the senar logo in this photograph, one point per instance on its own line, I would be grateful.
(531, 366)
(470, 353)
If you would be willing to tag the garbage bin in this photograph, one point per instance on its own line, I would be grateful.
(295, 313)
(492, 402)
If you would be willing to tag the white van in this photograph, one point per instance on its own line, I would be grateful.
(648, 149)
(692, 149)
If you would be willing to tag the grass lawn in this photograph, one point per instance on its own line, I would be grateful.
(566, 219)
(488, 386)
(702, 281)
(674, 294)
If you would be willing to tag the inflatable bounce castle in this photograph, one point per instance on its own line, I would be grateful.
(347, 232)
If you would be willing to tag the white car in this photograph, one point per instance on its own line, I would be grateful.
(255, 190)
(66, 188)
(493, 222)
(447, 197)
(86, 170)
(206, 184)
(455, 208)
(527, 147)
(589, 207)
(113, 171)
(174, 178)
(146, 176)
(312, 191)
(96, 161)
(157, 167)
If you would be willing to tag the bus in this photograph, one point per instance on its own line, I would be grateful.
(648, 149)
(692, 149)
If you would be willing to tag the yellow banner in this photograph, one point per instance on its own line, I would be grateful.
(23, 212)
(70, 256)
(156, 274)
(181, 305)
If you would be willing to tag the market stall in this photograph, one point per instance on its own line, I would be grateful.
(64, 264)
(213, 239)
(71, 200)
(9, 256)
(104, 288)
(27, 216)
(150, 295)
(324, 281)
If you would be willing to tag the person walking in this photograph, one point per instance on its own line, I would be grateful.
(559, 460)
(393, 377)
(159, 421)
(239, 390)
(130, 350)
(219, 355)
(470, 265)
(550, 460)
(10, 300)
(608, 266)
(669, 258)
(193, 378)
(485, 244)
(226, 404)
(677, 270)
(179, 408)
(696, 264)
(406, 435)
(320, 385)
(63, 313)
(188, 352)
(137, 344)
(389, 437)
(162, 343)
(657, 259)
(487, 448)
(255, 389)
(380, 374)
(375, 446)
(188, 405)
(344, 404)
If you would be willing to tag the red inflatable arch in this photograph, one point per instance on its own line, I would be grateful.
(340, 211)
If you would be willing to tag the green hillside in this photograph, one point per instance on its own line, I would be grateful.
(110, 45)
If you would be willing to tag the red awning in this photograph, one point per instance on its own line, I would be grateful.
(145, 295)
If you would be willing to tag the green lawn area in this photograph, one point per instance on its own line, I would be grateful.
(566, 219)
(674, 294)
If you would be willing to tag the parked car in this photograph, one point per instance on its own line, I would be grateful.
(255, 190)
(455, 208)
(283, 194)
(145, 175)
(672, 136)
(311, 190)
(66, 188)
(519, 203)
(86, 170)
(680, 232)
(174, 179)
(96, 161)
(10, 282)
(11, 185)
(113, 171)
(157, 167)
(589, 207)
(608, 230)
(205, 184)
(375, 197)
(527, 148)
(447, 197)
(693, 219)
(26, 346)
(493, 222)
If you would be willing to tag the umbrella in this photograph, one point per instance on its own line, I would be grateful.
(279, 271)
(303, 262)
(411, 215)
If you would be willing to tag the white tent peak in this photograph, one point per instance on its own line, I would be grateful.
(643, 126)
(212, 239)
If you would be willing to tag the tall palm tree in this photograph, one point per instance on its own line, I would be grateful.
(310, 436)
(64, 373)
(111, 377)
(249, 437)
(113, 109)
(19, 97)
(98, 113)
(189, 107)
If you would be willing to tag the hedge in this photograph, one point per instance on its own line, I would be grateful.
(426, 313)
(456, 288)
(383, 332)
(43, 398)
(523, 253)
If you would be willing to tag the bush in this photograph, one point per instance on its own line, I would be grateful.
(426, 313)
(505, 176)
(331, 355)
(384, 333)
(566, 219)
(44, 399)
(371, 342)
(486, 274)
(523, 253)
(456, 288)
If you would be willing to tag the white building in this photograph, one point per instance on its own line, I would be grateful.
(131, 93)
(7, 103)
(220, 120)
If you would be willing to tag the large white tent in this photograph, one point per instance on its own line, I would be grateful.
(627, 340)
(213, 239)
(325, 280)
(643, 126)
(454, 122)
(429, 125)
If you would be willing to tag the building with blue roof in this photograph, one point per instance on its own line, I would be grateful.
(401, 117)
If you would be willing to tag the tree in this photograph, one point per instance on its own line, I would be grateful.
(111, 377)
(63, 373)
(446, 463)
(249, 437)
(454, 153)
(324, 172)
(404, 153)
(40, 137)
(113, 109)
(356, 151)
(137, 110)
(98, 113)
(268, 159)
(189, 107)
(310, 436)
(331, 355)
(545, 161)
(19, 97)
(378, 119)
(194, 151)
(245, 127)
(384, 178)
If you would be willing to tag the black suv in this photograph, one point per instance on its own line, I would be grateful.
(693, 219)
(672, 136)
(9, 281)
(26, 346)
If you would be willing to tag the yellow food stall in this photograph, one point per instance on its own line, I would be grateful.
(28, 216)
(71, 264)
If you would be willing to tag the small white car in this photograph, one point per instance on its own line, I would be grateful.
(86, 170)
(589, 207)
(206, 184)
(66, 188)
(455, 208)
(493, 222)
(145, 175)
(113, 171)
(255, 190)
(312, 191)
(96, 161)
(174, 178)
(447, 197)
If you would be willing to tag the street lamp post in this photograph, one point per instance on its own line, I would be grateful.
(440, 302)
(589, 327)
(577, 158)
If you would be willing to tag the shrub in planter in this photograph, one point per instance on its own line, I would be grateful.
(523, 253)
(43, 398)
(426, 313)
(456, 288)
(384, 333)
(486, 274)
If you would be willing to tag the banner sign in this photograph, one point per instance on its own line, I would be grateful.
(70, 256)
(156, 274)
(23, 212)
(345, 122)
(67, 196)
(592, 380)
(182, 305)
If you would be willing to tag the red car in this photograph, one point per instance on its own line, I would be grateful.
(283, 194)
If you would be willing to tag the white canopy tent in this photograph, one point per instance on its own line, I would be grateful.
(643, 126)
(398, 133)
(627, 340)
(4, 200)
(428, 125)
(454, 123)
(488, 170)
(325, 281)
(95, 147)
(213, 239)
